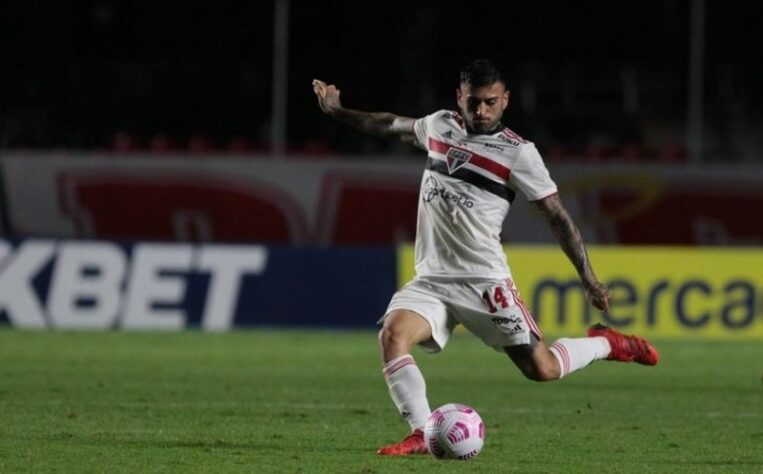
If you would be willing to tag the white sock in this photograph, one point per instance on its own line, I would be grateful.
(408, 390)
(574, 354)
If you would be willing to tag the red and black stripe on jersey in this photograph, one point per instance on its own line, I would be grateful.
(495, 187)
(476, 179)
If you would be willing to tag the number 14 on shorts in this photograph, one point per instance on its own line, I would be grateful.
(498, 297)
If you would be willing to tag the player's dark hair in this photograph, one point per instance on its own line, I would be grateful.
(481, 73)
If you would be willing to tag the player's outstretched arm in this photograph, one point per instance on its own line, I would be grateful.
(571, 241)
(382, 124)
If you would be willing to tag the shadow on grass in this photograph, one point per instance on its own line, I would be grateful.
(107, 439)
(271, 444)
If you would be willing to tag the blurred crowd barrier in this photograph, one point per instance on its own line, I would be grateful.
(346, 201)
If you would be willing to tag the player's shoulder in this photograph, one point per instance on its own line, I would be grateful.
(447, 117)
(445, 123)
(520, 150)
(450, 115)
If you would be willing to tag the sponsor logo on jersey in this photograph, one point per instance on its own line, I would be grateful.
(457, 158)
(493, 147)
(431, 191)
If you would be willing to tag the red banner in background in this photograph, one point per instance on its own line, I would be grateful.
(174, 208)
(672, 206)
(689, 216)
(353, 201)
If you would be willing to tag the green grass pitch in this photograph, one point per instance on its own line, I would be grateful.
(313, 402)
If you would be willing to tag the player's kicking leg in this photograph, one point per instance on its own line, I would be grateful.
(402, 330)
(567, 355)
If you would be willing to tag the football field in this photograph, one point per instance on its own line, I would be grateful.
(315, 402)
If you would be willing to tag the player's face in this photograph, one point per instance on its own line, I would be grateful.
(482, 107)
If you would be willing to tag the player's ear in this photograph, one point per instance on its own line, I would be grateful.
(506, 97)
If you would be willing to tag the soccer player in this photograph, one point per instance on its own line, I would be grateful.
(475, 166)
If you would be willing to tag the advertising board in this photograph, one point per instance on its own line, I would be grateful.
(714, 293)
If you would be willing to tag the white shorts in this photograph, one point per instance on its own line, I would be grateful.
(491, 310)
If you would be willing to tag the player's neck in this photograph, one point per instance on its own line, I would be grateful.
(498, 127)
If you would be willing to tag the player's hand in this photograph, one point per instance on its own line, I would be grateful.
(598, 295)
(328, 96)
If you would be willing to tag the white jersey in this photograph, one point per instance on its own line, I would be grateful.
(466, 191)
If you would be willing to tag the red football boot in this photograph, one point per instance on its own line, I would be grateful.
(626, 348)
(412, 444)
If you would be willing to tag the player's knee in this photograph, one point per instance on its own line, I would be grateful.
(395, 338)
(391, 336)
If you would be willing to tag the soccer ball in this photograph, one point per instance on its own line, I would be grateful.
(454, 431)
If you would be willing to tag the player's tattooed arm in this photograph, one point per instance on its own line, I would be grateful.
(571, 242)
(381, 124)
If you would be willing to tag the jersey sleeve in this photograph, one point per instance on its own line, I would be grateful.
(422, 128)
(530, 175)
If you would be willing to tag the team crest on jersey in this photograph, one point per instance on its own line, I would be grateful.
(457, 158)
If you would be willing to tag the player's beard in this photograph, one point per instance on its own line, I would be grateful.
(483, 127)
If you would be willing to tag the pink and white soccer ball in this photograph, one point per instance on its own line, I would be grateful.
(454, 431)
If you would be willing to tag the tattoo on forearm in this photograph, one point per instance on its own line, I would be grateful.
(570, 240)
(381, 124)
(375, 123)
